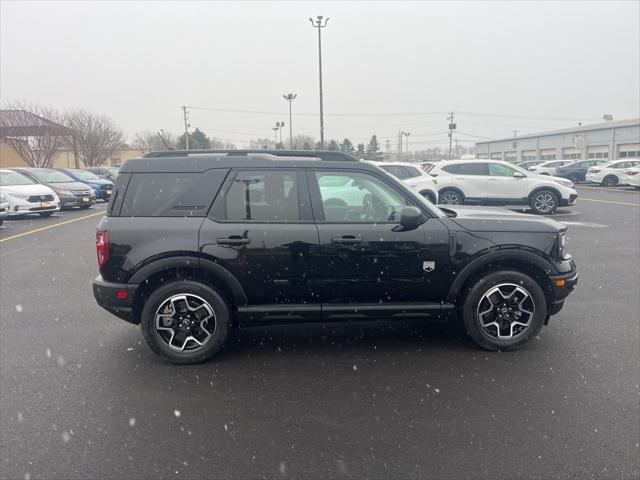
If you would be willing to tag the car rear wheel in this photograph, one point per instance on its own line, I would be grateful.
(610, 181)
(544, 202)
(503, 310)
(574, 177)
(449, 196)
(186, 321)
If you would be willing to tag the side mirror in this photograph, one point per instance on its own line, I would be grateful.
(411, 217)
(518, 175)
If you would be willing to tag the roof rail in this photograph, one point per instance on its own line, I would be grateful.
(315, 154)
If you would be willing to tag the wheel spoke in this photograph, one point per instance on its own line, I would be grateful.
(185, 322)
(501, 309)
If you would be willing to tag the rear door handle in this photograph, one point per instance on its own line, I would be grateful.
(346, 239)
(234, 240)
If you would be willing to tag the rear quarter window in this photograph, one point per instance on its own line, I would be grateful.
(169, 194)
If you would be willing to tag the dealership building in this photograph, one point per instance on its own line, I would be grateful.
(611, 140)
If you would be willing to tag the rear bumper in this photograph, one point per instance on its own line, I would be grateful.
(110, 296)
(67, 202)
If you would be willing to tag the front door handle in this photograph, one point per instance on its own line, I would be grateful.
(234, 240)
(346, 239)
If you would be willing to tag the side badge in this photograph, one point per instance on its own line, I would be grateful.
(429, 266)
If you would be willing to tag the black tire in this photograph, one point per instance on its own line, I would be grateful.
(429, 196)
(45, 214)
(450, 196)
(219, 331)
(544, 202)
(574, 177)
(610, 181)
(474, 300)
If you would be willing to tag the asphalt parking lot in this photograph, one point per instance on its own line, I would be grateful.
(81, 396)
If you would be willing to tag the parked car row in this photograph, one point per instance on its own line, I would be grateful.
(618, 172)
(44, 191)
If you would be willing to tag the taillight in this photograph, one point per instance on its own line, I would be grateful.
(102, 247)
(632, 172)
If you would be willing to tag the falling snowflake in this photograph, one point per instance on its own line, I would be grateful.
(283, 468)
(19, 308)
(355, 368)
(132, 422)
(177, 413)
(60, 361)
(66, 436)
(48, 353)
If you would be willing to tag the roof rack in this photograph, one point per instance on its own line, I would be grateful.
(311, 154)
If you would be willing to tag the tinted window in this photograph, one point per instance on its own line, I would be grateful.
(262, 196)
(171, 194)
(51, 176)
(397, 171)
(467, 169)
(362, 199)
(413, 172)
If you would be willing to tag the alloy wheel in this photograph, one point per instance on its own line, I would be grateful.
(185, 322)
(544, 202)
(451, 198)
(505, 312)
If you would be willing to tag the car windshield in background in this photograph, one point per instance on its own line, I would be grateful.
(84, 175)
(52, 176)
(8, 179)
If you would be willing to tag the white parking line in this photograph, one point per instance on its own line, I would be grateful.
(608, 201)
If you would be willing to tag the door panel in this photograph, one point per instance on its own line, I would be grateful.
(260, 228)
(363, 255)
(503, 185)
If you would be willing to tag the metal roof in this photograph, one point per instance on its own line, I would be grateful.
(582, 128)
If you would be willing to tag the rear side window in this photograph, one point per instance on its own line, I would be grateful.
(260, 196)
(397, 171)
(467, 169)
(171, 194)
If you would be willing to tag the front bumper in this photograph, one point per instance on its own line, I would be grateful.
(68, 201)
(561, 287)
(564, 202)
(111, 297)
(103, 194)
(18, 206)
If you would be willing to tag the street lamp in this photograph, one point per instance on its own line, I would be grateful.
(279, 126)
(406, 135)
(319, 25)
(275, 135)
(290, 97)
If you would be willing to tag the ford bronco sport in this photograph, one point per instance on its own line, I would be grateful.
(195, 243)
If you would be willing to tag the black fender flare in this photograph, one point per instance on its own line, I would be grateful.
(182, 261)
(496, 256)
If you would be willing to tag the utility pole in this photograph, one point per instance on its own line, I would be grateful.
(161, 135)
(290, 97)
(515, 133)
(387, 146)
(279, 126)
(186, 126)
(400, 145)
(452, 127)
(319, 25)
(275, 135)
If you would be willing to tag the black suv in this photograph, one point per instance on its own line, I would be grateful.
(195, 243)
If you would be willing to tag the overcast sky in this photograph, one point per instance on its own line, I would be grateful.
(387, 65)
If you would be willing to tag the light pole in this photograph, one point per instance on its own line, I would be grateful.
(290, 97)
(319, 25)
(406, 134)
(275, 135)
(279, 126)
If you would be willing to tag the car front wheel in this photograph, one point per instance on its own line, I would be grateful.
(450, 197)
(503, 310)
(185, 321)
(544, 202)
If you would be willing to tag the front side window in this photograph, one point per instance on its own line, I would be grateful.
(262, 196)
(363, 198)
(497, 170)
(397, 171)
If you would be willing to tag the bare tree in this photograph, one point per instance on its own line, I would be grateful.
(97, 136)
(33, 131)
(150, 141)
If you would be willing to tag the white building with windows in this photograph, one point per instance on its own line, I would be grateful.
(610, 140)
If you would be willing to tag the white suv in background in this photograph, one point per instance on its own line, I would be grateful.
(414, 176)
(609, 173)
(550, 167)
(26, 196)
(493, 182)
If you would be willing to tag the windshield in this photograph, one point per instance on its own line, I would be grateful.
(51, 176)
(8, 179)
(84, 175)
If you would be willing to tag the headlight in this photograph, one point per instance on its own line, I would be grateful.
(62, 191)
(562, 244)
(565, 183)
